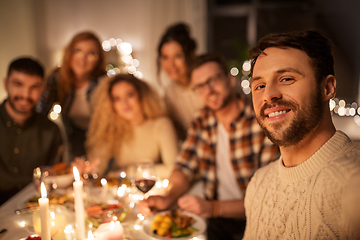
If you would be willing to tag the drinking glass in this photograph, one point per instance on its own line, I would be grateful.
(41, 174)
(87, 169)
(145, 177)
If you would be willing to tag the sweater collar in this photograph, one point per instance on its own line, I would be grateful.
(316, 161)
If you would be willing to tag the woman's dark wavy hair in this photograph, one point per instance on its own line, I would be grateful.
(313, 42)
(180, 33)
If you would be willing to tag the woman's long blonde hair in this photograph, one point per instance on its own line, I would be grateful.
(107, 130)
(67, 76)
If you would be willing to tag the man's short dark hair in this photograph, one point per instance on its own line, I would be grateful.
(313, 42)
(209, 57)
(26, 65)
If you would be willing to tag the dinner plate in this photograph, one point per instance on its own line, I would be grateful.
(21, 203)
(200, 225)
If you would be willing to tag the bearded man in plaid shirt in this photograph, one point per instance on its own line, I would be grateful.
(224, 147)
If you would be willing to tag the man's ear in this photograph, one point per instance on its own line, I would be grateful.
(329, 88)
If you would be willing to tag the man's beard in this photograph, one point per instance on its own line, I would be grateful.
(304, 122)
(11, 101)
(227, 99)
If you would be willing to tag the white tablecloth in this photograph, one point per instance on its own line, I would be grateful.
(20, 226)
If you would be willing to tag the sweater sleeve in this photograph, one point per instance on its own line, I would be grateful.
(167, 142)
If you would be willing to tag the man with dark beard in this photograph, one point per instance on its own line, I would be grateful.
(27, 140)
(224, 147)
(313, 190)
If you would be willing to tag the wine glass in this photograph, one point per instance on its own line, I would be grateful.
(42, 174)
(145, 178)
(87, 169)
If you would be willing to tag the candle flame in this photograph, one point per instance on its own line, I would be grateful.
(90, 235)
(43, 190)
(76, 174)
(112, 225)
(121, 190)
(103, 181)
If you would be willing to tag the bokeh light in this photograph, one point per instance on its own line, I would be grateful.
(126, 47)
(234, 71)
(106, 45)
(246, 66)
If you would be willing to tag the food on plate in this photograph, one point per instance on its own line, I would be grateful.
(114, 182)
(173, 224)
(54, 198)
(98, 213)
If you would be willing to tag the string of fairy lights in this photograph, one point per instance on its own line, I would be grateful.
(337, 106)
(127, 63)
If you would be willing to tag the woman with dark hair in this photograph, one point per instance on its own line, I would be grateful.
(129, 125)
(71, 86)
(176, 51)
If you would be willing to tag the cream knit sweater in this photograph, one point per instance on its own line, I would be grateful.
(318, 199)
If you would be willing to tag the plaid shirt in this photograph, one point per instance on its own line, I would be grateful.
(250, 150)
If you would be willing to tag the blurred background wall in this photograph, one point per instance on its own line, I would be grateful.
(42, 28)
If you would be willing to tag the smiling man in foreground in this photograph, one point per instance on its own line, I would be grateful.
(312, 191)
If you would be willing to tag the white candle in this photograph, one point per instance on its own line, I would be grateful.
(104, 187)
(109, 231)
(90, 236)
(44, 213)
(79, 204)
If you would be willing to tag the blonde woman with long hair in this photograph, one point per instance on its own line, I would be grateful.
(129, 126)
(71, 86)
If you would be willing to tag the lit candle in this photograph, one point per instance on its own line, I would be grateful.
(104, 187)
(44, 213)
(121, 190)
(79, 204)
(90, 236)
(109, 231)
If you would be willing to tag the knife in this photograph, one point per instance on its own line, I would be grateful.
(26, 210)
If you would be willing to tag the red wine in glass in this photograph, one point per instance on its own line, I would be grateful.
(144, 185)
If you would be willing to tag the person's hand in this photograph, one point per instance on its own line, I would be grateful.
(86, 167)
(196, 205)
(153, 204)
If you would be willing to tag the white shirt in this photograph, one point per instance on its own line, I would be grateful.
(228, 188)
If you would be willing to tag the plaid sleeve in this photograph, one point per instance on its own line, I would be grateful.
(187, 160)
(267, 151)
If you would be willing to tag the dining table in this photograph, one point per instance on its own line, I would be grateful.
(16, 226)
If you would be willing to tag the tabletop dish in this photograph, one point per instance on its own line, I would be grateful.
(98, 213)
(58, 196)
(199, 224)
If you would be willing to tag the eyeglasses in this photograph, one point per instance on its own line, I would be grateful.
(90, 56)
(210, 83)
